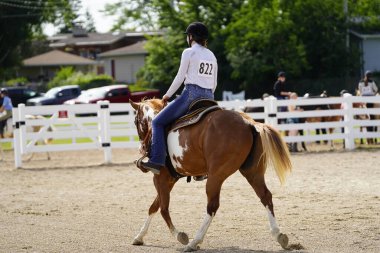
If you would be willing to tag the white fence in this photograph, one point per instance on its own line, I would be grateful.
(106, 126)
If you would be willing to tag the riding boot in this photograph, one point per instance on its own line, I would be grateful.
(154, 168)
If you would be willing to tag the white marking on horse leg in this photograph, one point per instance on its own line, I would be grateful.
(274, 230)
(200, 234)
(144, 230)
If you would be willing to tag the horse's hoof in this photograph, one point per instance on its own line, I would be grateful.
(137, 242)
(283, 240)
(188, 248)
(183, 238)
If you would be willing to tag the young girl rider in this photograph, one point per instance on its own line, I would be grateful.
(198, 71)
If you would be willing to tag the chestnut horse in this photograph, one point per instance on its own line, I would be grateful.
(218, 145)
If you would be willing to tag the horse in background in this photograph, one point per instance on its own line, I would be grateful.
(8, 133)
(221, 143)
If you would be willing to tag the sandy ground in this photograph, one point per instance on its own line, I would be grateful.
(74, 203)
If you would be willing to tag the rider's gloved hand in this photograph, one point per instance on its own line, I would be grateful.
(165, 100)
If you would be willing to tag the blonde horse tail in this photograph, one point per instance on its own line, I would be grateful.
(275, 151)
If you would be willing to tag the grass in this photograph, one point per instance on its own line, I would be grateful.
(8, 145)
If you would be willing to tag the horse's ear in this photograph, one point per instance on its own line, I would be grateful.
(134, 105)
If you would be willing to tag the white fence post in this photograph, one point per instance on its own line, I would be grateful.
(22, 127)
(349, 141)
(16, 138)
(270, 109)
(104, 127)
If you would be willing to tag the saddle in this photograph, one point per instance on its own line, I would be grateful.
(196, 111)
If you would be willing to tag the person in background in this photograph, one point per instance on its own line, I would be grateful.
(368, 87)
(281, 92)
(280, 88)
(292, 108)
(5, 110)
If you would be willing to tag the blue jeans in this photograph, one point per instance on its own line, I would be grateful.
(174, 110)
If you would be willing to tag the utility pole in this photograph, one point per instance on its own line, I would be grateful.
(345, 11)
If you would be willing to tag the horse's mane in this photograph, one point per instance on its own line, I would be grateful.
(155, 103)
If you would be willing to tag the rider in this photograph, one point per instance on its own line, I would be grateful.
(198, 71)
(5, 110)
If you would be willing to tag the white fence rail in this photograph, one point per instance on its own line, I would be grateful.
(105, 126)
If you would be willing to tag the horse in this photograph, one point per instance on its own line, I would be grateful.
(220, 144)
(33, 129)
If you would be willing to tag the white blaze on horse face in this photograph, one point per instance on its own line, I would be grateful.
(148, 113)
(175, 149)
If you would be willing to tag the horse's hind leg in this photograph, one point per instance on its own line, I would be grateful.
(255, 177)
(258, 184)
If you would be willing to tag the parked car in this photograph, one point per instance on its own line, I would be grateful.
(117, 93)
(56, 96)
(20, 95)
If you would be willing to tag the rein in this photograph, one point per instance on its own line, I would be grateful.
(145, 144)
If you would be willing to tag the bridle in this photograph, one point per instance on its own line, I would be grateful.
(144, 136)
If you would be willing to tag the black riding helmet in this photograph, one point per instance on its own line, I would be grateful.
(281, 74)
(198, 30)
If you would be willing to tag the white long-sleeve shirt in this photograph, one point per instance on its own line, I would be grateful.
(198, 66)
(369, 90)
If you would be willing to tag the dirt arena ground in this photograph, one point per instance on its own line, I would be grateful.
(74, 203)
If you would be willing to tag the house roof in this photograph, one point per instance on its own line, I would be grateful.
(89, 39)
(57, 58)
(365, 36)
(137, 48)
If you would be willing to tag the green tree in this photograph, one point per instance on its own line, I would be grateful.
(89, 23)
(173, 17)
(262, 39)
(364, 15)
(254, 39)
(21, 20)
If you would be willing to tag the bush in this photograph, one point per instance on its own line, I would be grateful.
(16, 82)
(67, 76)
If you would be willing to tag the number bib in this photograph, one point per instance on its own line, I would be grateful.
(206, 68)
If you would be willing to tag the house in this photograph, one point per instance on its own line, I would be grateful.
(44, 66)
(369, 49)
(118, 55)
(89, 45)
(123, 63)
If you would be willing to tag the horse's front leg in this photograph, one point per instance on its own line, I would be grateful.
(164, 184)
(138, 240)
(213, 198)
